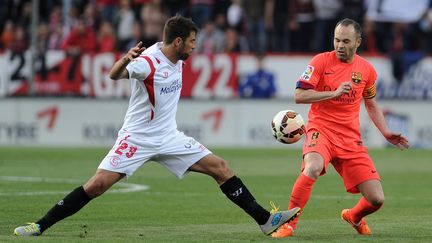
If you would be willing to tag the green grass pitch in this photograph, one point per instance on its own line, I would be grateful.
(195, 210)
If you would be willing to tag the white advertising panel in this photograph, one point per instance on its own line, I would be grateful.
(216, 123)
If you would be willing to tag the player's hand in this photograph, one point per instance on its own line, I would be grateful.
(134, 52)
(344, 88)
(398, 140)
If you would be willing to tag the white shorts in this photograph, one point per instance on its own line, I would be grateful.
(177, 152)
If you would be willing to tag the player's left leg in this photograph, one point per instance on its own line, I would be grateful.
(239, 194)
(360, 175)
(372, 200)
(71, 203)
(181, 154)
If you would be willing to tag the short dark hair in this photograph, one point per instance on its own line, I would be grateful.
(347, 22)
(178, 26)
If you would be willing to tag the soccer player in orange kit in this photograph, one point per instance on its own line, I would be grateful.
(334, 83)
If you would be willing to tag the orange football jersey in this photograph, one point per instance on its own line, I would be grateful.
(338, 118)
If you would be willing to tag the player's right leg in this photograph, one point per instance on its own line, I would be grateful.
(239, 194)
(317, 153)
(302, 189)
(72, 203)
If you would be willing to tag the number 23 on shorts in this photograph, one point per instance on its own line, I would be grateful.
(123, 148)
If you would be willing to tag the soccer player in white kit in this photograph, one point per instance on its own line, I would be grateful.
(149, 132)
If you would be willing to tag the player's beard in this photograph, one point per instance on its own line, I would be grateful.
(182, 54)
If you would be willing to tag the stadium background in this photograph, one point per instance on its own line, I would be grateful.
(59, 114)
(55, 77)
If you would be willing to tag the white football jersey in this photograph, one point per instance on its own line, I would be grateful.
(155, 91)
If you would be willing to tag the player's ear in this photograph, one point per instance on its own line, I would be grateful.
(358, 42)
(177, 41)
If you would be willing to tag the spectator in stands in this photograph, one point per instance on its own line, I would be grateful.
(106, 40)
(90, 16)
(123, 20)
(260, 84)
(55, 18)
(24, 18)
(106, 8)
(327, 14)
(258, 14)
(353, 9)
(71, 15)
(7, 35)
(153, 18)
(201, 11)
(279, 26)
(210, 39)
(55, 38)
(235, 16)
(301, 25)
(235, 42)
(81, 40)
(174, 7)
(136, 35)
(396, 31)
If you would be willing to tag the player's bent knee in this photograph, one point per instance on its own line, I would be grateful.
(377, 201)
(313, 171)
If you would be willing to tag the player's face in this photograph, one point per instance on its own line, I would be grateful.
(186, 47)
(346, 41)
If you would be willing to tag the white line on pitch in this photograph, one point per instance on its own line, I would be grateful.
(127, 187)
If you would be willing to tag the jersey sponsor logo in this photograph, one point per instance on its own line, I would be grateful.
(356, 77)
(307, 73)
(175, 86)
(344, 98)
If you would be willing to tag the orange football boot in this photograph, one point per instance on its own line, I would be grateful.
(286, 230)
(361, 227)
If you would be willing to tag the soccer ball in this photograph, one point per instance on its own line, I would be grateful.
(288, 126)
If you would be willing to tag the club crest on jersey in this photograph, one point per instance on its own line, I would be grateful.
(114, 161)
(356, 77)
(165, 74)
(307, 73)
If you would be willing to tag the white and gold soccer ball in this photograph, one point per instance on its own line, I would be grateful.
(288, 126)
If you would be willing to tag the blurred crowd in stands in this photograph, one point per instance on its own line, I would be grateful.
(390, 26)
(398, 29)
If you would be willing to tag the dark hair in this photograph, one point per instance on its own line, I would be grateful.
(347, 22)
(178, 26)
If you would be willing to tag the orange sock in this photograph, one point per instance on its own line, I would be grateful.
(362, 209)
(300, 194)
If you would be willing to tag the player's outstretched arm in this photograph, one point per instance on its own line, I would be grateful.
(118, 71)
(377, 116)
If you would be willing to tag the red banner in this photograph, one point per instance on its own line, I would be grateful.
(204, 76)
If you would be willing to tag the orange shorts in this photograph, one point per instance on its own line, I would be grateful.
(354, 167)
